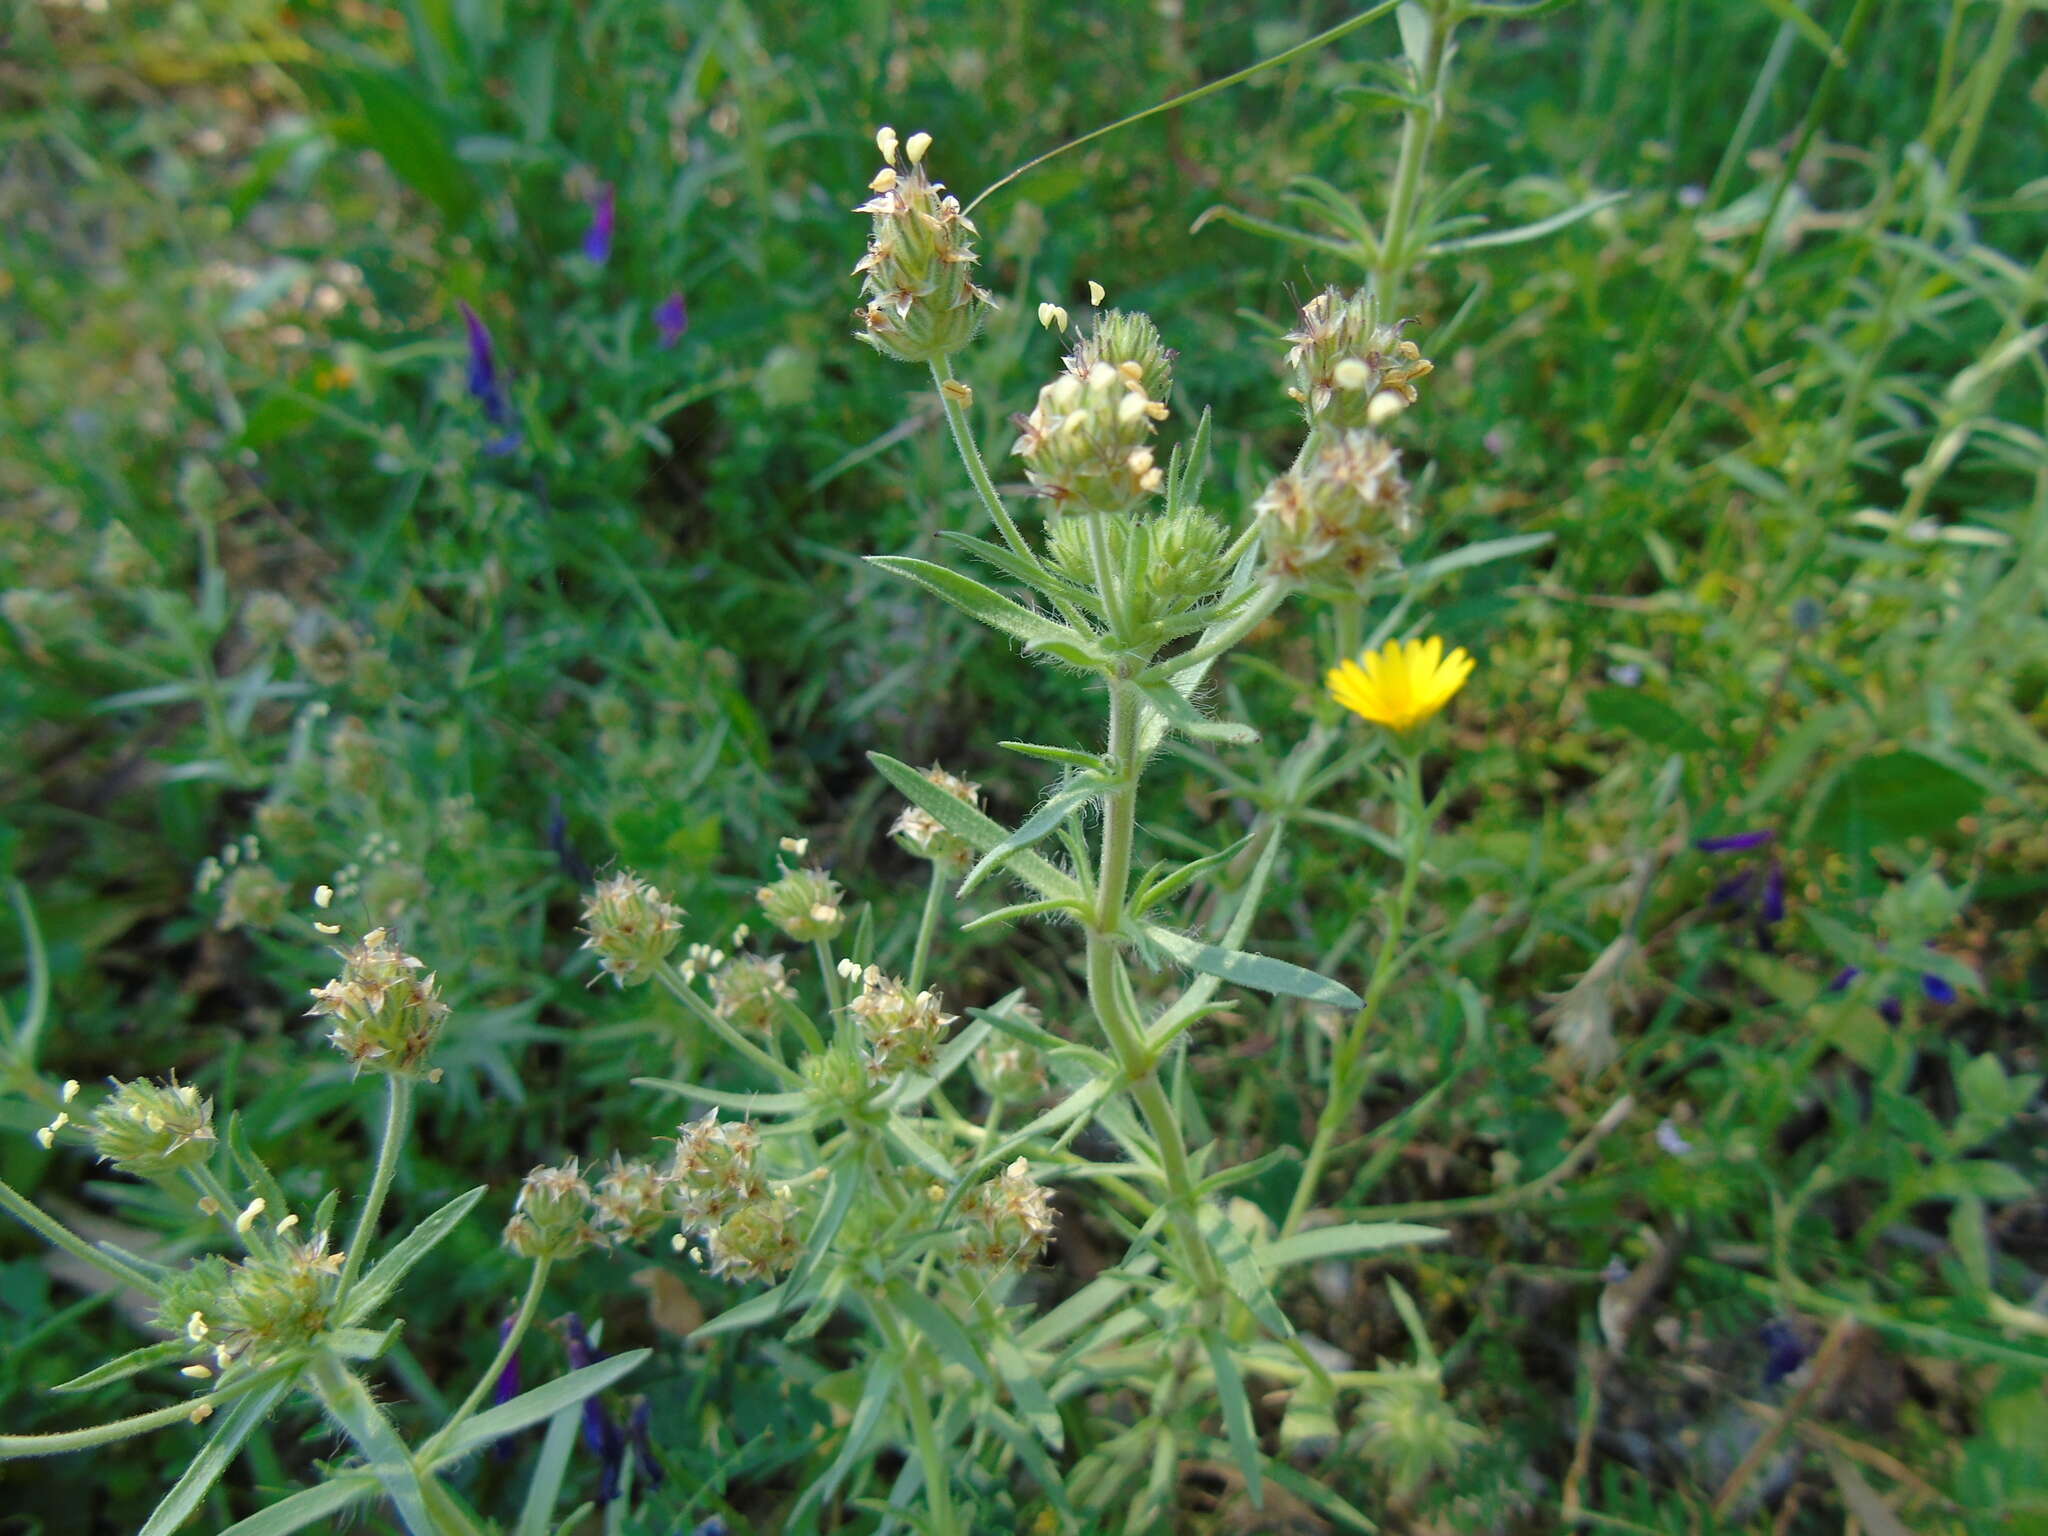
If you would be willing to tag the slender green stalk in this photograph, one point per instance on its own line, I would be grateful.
(521, 1320)
(13, 1447)
(938, 1475)
(55, 1233)
(1344, 1060)
(1418, 129)
(984, 487)
(671, 978)
(927, 926)
(397, 1122)
(1215, 642)
(828, 972)
(424, 1506)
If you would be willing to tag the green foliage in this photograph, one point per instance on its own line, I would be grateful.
(1732, 471)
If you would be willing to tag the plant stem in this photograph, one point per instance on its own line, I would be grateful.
(1215, 642)
(528, 1304)
(927, 925)
(672, 979)
(985, 488)
(1344, 1060)
(15, 1446)
(937, 1474)
(1106, 984)
(397, 1121)
(423, 1504)
(1418, 128)
(828, 972)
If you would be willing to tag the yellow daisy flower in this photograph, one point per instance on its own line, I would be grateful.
(1401, 685)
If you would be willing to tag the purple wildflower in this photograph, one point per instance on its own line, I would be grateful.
(1736, 842)
(671, 318)
(597, 240)
(600, 1432)
(1936, 988)
(1787, 1351)
(1670, 1140)
(487, 387)
(506, 1389)
(1763, 903)
(639, 1435)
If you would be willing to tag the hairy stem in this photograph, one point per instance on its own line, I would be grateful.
(521, 1320)
(397, 1121)
(1344, 1060)
(927, 926)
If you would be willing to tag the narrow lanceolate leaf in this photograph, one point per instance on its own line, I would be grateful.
(1024, 572)
(1180, 713)
(1153, 890)
(376, 1286)
(1063, 803)
(978, 602)
(972, 827)
(1262, 973)
(746, 1103)
(121, 1367)
(1340, 1242)
(1241, 1270)
(1237, 1414)
(236, 1425)
(308, 1505)
(541, 1403)
(1525, 232)
(1016, 910)
(1066, 757)
(1484, 552)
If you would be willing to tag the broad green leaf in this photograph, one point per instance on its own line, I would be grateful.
(381, 1279)
(1890, 797)
(541, 1403)
(941, 1329)
(978, 602)
(1262, 973)
(972, 827)
(550, 1467)
(1241, 1268)
(755, 1309)
(1339, 1242)
(1027, 1391)
(1036, 1462)
(1646, 717)
(1237, 1414)
(869, 1415)
(413, 140)
(204, 1470)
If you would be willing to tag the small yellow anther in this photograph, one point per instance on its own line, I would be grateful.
(198, 1372)
(885, 181)
(323, 896)
(915, 147)
(249, 1214)
(70, 1089)
(1051, 315)
(1096, 293)
(885, 141)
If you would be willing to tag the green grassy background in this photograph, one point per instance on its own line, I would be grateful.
(1780, 407)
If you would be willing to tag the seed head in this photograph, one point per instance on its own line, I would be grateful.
(749, 990)
(1183, 566)
(631, 1200)
(713, 1172)
(387, 1015)
(552, 1217)
(1344, 360)
(1337, 519)
(804, 903)
(1009, 1220)
(263, 1307)
(1084, 445)
(153, 1128)
(1011, 1070)
(758, 1241)
(923, 835)
(1119, 337)
(919, 301)
(904, 1032)
(632, 926)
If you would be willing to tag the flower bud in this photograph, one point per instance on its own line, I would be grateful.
(1337, 518)
(1009, 1070)
(122, 561)
(1344, 360)
(1184, 563)
(919, 301)
(758, 1241)
(631, 1200)
(153, 1128)
(713, 1172)
(1411, 1434)
(272, 1304)
(750, 990)
(1120, 337)
(386, 1015)
(804, 903)
(551, 1218)
(922, 834)
(1084, 443)
(632, 926)
(904, 1032)
(252, 896)
(1008, 1220)
(267, 617)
